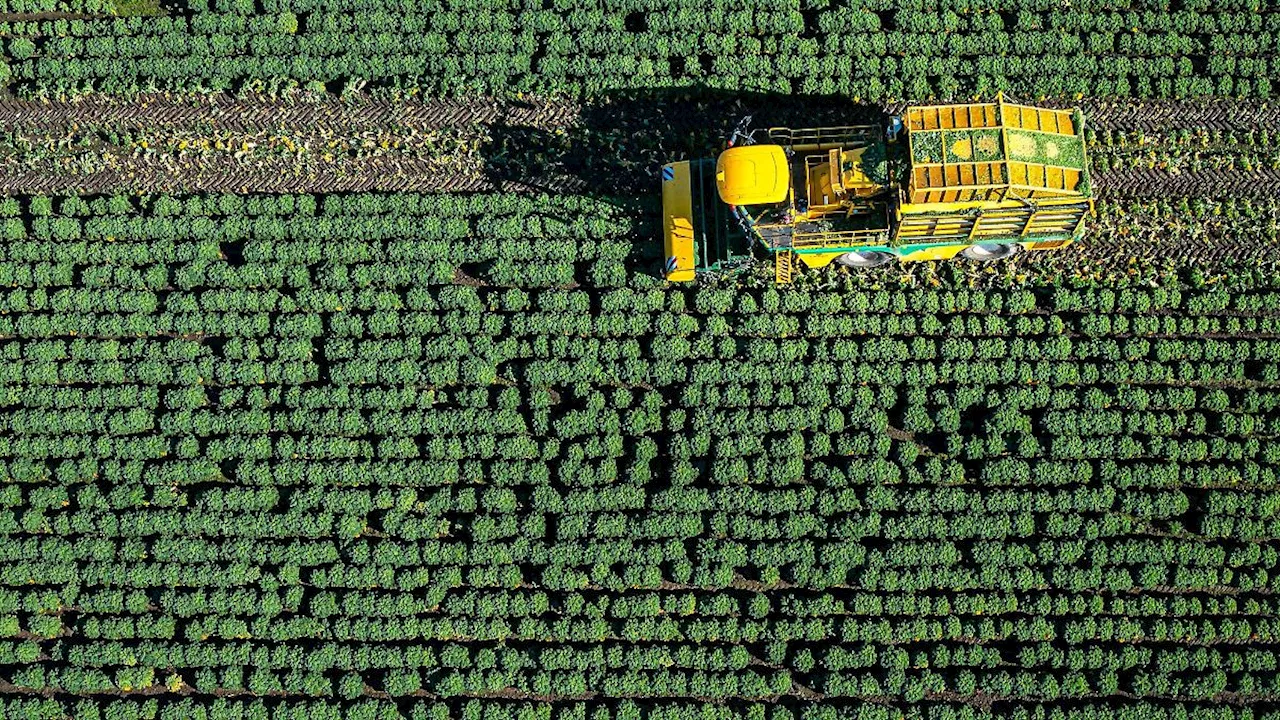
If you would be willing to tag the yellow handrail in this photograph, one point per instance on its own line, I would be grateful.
(816, 133)
(839, 238)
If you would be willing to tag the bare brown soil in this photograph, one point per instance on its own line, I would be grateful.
(1157, 115)
(606, 148)
(1156, 183)
(235, 113)
(374, 175)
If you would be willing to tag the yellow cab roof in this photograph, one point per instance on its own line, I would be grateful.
(753, 175)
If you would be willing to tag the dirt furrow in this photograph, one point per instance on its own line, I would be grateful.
(230, 113)
(1157, 115)
(1119, 252)
(408, 175)
(597, 141)
(1134, 183)
(251, 112)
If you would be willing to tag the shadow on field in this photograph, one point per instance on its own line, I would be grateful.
(615, 151)
(621, 140)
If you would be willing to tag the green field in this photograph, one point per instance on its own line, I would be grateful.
(268, 455)
(338, 378)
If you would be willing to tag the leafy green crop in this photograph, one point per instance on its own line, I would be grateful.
(341, 456)
(873, 50)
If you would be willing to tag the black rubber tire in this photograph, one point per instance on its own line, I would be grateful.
(865, 258)
(991, 252)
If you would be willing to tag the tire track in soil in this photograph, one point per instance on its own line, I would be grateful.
(224, 113)
(425, 175)
(1163, 115)
(411, 175)
(1150, 183)
(1117, 252)
(247, 114)
(152, 111)
(382, 174)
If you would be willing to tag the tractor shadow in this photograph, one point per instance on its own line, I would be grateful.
(618, 143)
(615, 148)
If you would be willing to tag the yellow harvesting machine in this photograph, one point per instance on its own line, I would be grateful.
(983, 181)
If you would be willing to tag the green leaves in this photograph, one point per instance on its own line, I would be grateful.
(339, 479)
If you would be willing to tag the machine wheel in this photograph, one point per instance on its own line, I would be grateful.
(986, 252)
(865, 258)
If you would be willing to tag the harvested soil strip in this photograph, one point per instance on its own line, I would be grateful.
(376, 175)
(425, 174)
(384, 174)
(153, 110)
(1117, 252)
(449, 162)
(1164, 115)
(231, 153)
(545, 145)
(224, 112)
(1155, 183)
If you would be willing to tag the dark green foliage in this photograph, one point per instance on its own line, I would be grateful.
(874, 50)
(341, 480)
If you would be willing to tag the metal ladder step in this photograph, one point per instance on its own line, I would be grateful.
(783, 261)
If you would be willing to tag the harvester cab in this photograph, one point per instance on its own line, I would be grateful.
(982, 181)
(753, 175)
